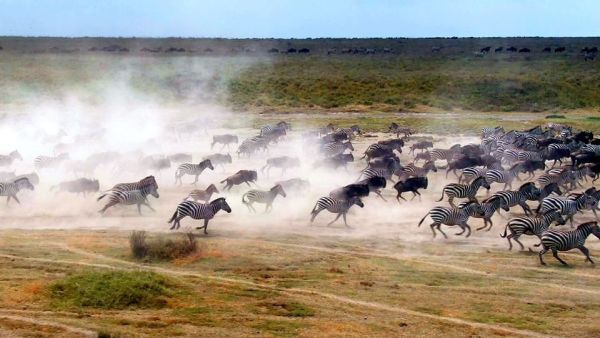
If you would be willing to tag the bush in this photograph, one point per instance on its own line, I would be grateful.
(112, 290)
(554, 116)
(162, 247)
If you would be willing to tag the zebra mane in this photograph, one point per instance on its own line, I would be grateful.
(218, 200)
(276, 186)
(148, 180)
(587, 225)
(21, 179)
(525, 185)
(204, 161)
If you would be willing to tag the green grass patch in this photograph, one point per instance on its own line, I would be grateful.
(555, 116)
(162, 247)
(112, 290)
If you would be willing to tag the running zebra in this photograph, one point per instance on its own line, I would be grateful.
(336, 206)
(512, 198)
(42, 162)
(566, 206)
(504, 176)
(564, 241)
(252, 145)
(10, 189)
(148, 181)
(489, 208)
(336, 148)
(411, 170)
(591, 148)
(491, 131)
(198, 211)
(371, 172)
(561, 176)
(192, 169)
(396, 129)
(469, 174)
(264, 197)
(533, 226)
(7, 160)
(350, 132)
(422, 145)
(444, 154)
(276, 128)
(453, 216)
(130, 197)
(455, 190)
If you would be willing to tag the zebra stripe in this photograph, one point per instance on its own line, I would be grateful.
(263, 197)
(564, 241)
(534, 226)
(198, 211)
(455, 190)
(453, 216)
(192, 169)
(336, 206)
(10, 189)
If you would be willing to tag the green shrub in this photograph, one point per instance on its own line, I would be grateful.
(112, 290)
(162, 247)
(555, 116)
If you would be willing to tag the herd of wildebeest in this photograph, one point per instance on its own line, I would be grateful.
(547, 171)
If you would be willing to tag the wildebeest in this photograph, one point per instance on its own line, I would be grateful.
(413, 185)
(202, 195)
(511, 49)
(375, 184)
(546, 50)
(78, 186)
(282, 162)
(219, 159)
(334, 162)
(485, 49)
(559, 49)
(349, 191)
(225, 140)
(294, 184)
(180, 157)
(524, 50)
(498, 50)
(422, 145)
(242, 176)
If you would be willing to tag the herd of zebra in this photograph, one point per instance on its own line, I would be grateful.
(557, 161)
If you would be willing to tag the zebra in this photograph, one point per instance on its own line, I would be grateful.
(566, 206)
(563, 241)
(396, 129)
(148, 181)
(411, 170)
(535, 226)
(591, 148)
(444, 154)
(489, 207)
(453, 216)
(455, 190)
(272, 129)
(198, 211)
(251, 145)
(218, 159)
(41, 162)
(491, 131)
(203, 195)
(370, 172)
(560, 176)
(503, 176)
(7, 160)
(336, 206)
(469, 174)
(10, 189)
(535, 194)
(512, 198)
(350, 132)
(336, 148)
(264, 197)
(130, 197)
(192, 169)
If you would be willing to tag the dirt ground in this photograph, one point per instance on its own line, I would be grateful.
(385, 276)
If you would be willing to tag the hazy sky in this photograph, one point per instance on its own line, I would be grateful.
(300, 18)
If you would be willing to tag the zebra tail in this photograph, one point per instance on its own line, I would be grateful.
(422, 219)
(441, 198)
(173, 217)
(505, 231)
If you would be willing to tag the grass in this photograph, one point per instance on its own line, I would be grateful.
(112, 290)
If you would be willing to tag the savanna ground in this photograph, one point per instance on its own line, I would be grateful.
(274, 275)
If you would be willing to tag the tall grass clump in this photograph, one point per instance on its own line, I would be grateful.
(162, 247)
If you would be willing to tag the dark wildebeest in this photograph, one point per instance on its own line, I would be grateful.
(485, 49)
(340, 160)
(524, 50)
(546, 50)
(225, 140)
(413, 185)
(422, 145)
(350, 190)
(498, 50)
(559, 49)
(375, 183)
(511, 49)
(78, 186)
(530, 167)
(462, 163)
(242, 176)
(282, 162)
